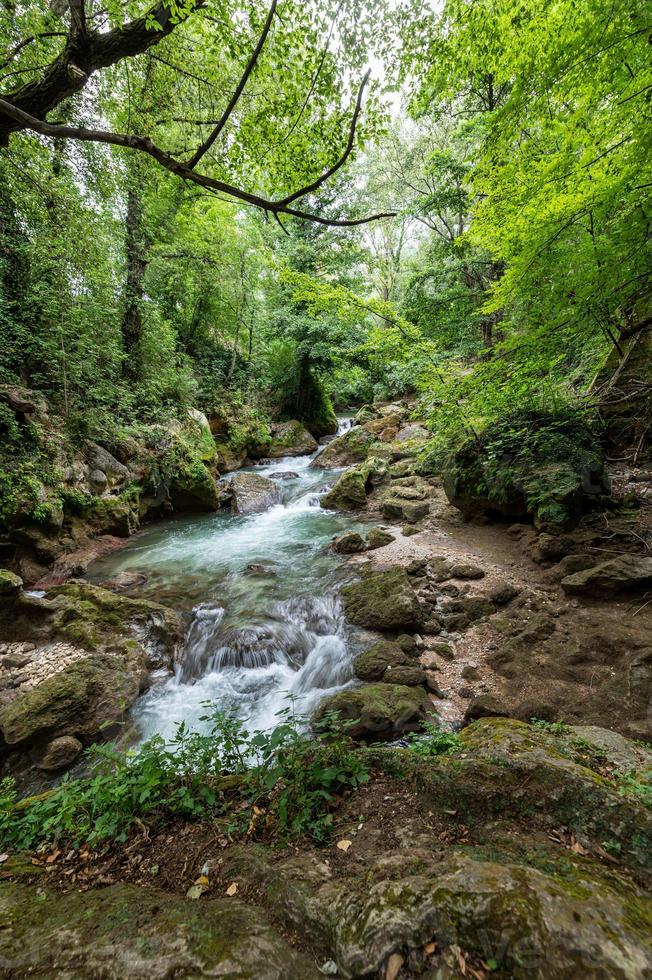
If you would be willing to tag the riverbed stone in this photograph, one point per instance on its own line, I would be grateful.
(372, 663)
(252, 493)
(349, 543)
(378, 538)
(60, 753)
(351, 447)
(291, 439)
(382, 601)
(348, 493)
(377, 712)
(621, 574)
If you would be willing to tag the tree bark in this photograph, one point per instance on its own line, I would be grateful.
(132, 317)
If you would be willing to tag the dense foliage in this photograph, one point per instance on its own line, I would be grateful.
(517, 169)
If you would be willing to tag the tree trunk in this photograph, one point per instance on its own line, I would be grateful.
(132, 318)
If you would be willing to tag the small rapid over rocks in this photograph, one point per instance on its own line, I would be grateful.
(266, 626)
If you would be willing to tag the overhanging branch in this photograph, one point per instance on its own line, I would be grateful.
(144, 144)
(206, 145)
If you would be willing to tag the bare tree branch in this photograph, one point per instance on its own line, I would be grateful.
(206, 145)
(144, 144)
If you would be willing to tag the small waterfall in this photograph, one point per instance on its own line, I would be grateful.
(254, 641)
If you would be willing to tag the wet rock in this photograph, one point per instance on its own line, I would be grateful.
(258, 568)
(284, 475)
(291, 439)
(378, 538)
(144, 934)
(372, 664)
(252, 494)
(125, 581)
(349, 543)
(349, 492)
(382, 601)
(621, 574)
(60, 753)
(378, 712)
(10, 584)
(194, 490)
(351, 447)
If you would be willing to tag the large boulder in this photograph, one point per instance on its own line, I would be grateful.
(87, 697)
(621, 574)
(141, 933)
(377, 712)
(348, 493)
(291, 439)
(383, 600)
(534, 464)
(353, 446)
(349, 543)
(10, 584)
(252, 493)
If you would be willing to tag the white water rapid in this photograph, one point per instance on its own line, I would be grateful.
(258, 636)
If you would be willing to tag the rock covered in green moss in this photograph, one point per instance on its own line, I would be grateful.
(349, 543)
(383, 600)
(348, 493)
(144, 934)
(377, 712)
(548, 467)
(378, 537)
(291, 439)
(10, 584)
(353, 446)
(372, 663)
(82, 700)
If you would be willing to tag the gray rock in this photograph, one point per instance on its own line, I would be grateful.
(98, 481)
(60, 753)
(252, 494)
(621, 574)
(466, 570)
(284, 475)
(349, 543)
(378, 538)
(383, 601)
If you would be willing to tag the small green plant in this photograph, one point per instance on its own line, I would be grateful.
(292, 777)
(549, 727)
(434, 741)
(638, 784)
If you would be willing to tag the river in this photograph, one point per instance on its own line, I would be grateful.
(258, 639)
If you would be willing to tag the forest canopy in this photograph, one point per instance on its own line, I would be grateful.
(206, 202)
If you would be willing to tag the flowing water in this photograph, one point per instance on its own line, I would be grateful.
(259, 636)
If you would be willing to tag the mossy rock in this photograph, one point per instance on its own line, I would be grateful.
(377, 712)
(193, 490)
(140, 933)
(117, 515)
(537, 925)
(348, 493)
(291, 439)
(10, 584)
(353, 446)
(372, 663)
(84, 699)
(536, 464)
(378, 538)
(383, 601)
